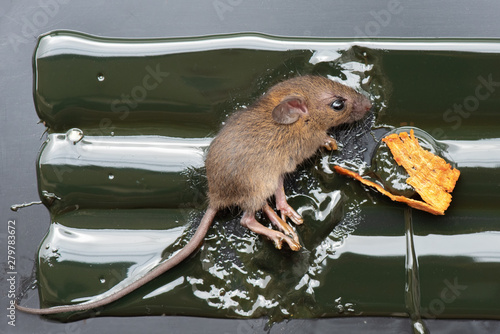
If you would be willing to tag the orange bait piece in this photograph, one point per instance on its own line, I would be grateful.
(431, 176)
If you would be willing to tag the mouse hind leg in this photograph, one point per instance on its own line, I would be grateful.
(282, 205)
(248, 220)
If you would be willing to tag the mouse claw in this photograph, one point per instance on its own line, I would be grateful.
(294, 245)
(248, 220)
(330, 144)
(280, 223)
(278, 239)
(292, 214)
(287, 211)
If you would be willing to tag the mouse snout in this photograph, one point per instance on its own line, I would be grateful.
(364, 104)
(360, 108)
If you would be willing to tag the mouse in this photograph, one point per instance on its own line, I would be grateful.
(249, 158)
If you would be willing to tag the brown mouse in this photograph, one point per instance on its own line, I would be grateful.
(248, 159)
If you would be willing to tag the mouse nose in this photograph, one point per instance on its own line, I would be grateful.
(363, 105)
(366, 105)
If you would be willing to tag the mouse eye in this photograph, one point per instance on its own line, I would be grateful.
(338, 104)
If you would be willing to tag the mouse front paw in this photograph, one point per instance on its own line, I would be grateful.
(330, 144)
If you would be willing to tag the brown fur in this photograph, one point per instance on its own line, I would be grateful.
(252, 151)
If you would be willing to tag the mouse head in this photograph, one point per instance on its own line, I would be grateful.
(317, 101)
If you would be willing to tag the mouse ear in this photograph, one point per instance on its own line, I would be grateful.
(290, 110)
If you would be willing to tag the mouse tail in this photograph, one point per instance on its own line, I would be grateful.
(177, 258)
